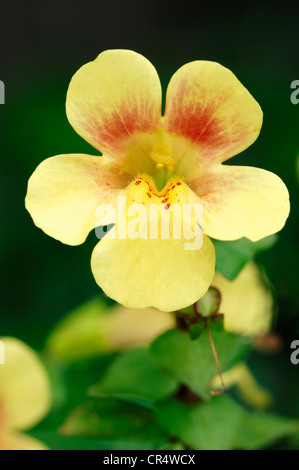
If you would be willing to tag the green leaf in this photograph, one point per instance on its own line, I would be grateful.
(206, 426)
(231, 256)
(191, 362)
(172, 446)
(197, 329)
(262, 429)
(216, 323)
(136, 377)
(110, 418)
(57, 442)
(222, 424)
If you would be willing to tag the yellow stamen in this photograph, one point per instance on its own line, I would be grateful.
(161, 154)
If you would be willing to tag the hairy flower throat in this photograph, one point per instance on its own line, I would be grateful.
(161, 155)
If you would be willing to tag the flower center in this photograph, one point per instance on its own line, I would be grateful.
(161, 154)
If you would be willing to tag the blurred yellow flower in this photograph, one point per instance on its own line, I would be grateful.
(25, 397)
(246, 302)
(94, 329)
(114, 103)
(247, 305)
(248, 388)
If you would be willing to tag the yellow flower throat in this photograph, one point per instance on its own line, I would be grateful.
(161, 155)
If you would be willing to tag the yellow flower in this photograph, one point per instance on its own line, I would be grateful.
(24, 395)
(247, 305)
(114, 103)
(246, 302)
(94, 329)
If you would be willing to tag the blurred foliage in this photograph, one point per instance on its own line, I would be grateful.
(192, 362)
(158, 397)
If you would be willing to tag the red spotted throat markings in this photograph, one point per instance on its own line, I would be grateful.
(146, 213)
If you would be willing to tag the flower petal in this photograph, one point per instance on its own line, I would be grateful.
(206, 104)
(241, 202)
(24, 386)
(64, 192)
(113, 99)
(246, 302)
(160, 273)
(17, 441)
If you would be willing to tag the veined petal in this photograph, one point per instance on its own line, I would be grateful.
(18, 441)
(64, 192)
(24, 386)
(114, 99)
(241, 202)
(148, 260)
(246, 302)
(207, 105)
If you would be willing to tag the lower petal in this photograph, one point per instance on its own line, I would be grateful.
(242, 202)
(153, 272)
(64, 192)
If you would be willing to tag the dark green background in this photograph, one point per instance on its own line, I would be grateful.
(42, 45)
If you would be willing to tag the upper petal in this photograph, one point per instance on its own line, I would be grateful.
(64, 192)
(241, 202)
(207, 105)
(113, 99)
(24, 386)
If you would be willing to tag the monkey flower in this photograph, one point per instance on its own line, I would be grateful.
(114, 103)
